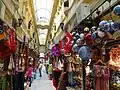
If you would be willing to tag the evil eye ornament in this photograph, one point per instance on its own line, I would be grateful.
(116, 10)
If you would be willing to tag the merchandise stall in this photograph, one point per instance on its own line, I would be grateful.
(7, 50)
(114, 63)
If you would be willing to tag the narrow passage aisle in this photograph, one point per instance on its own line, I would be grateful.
(42, 83)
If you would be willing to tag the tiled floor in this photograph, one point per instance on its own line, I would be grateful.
(42, 83)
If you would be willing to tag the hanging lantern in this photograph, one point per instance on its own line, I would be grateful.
(93, 29)
(116, 10)
(82, 36)
(86, 29)
(78, 41)
(103, 25)
(84, 53)
(55, 50)
(101, 34)
(75, 48)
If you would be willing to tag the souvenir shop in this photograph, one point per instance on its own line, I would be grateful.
(90, 56)
(7, 50)
(14, 58)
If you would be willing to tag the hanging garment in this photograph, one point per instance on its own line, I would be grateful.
(70, 78)
(98, 74)
(106, 75)
(93, 76)
(2, 32)
(8, 46)
(68, 46)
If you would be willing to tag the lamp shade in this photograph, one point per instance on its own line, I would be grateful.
(82, 36)
(84, 53)
(104, 25)
(75, 48)
(116, 10)
(55, 50)
(101, 34)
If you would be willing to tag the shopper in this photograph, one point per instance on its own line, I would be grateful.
(50, 69)
(29, 74)
(56, 76)
(40, 69)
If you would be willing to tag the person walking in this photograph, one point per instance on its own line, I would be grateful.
(29, 74)
(40, 69)
(50, 69)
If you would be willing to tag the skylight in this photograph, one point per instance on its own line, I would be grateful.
(43, 9)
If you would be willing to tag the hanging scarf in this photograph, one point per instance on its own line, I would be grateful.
(106, 75)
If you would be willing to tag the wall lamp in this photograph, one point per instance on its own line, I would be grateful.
(20, 21)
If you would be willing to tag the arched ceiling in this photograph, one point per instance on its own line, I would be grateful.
(43, 11)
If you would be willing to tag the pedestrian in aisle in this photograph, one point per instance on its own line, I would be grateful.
(29, 74)
(40, 69)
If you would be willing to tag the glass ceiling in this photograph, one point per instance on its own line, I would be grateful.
(43, 9)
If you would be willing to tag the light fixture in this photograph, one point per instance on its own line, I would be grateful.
(20, 21)
(62, 25)
(98, 12)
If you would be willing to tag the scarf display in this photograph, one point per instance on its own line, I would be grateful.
(7, 40)
(114, 62)
(74, 72)
(102, 77)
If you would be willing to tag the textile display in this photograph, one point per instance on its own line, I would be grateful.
(18, 81)
(63, 81)
(114, 62)
(7, 40)
(102, 76)
(69, 38)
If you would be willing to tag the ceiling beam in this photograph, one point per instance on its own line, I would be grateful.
(54, 10)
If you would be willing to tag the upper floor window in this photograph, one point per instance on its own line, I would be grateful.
(66, 3)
